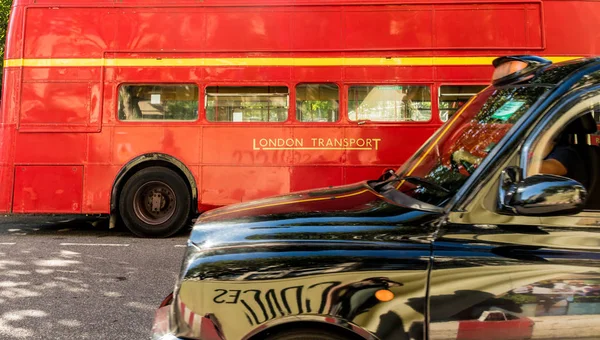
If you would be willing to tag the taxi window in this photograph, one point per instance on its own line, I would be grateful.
(594, 139)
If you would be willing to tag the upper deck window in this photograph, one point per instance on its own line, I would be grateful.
(247, 103)
(158, 102)
(317, 102)
(453, 97)
(389, 103)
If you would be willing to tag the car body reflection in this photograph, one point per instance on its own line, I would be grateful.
(446, 248)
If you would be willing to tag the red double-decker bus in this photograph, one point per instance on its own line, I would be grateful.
(154, 110)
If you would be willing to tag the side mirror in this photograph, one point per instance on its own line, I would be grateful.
(539, 195)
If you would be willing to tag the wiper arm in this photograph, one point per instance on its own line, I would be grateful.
(425, 182)
(411, 179)
(385, 188)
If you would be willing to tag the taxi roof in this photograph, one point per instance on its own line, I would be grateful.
(568, 71)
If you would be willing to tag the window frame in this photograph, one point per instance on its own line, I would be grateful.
(340, 102)
(568, 109)
(150, 121)
(478, 204)
(204, 101)
(430, 85)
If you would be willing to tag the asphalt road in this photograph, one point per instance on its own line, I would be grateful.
(78, 280)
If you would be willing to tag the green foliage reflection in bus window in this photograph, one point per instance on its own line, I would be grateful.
(158, 102)
(317, 102)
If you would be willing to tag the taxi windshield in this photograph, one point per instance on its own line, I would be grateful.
(441, 166)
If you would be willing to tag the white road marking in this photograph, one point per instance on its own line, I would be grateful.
(96, 244)
(180, 245)
(7, 243)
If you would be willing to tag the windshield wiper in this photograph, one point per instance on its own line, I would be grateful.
(411, 179)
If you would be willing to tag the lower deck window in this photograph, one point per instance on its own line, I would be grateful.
(247, 103)
(158, 102)
(317, 102)
(389, 103)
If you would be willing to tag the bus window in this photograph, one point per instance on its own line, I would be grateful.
(158, 102)
(317, 102)
(247, 103)
(389, 103)
(452, 97)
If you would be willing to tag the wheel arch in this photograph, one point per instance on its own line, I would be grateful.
(334, 325)
(147, 160)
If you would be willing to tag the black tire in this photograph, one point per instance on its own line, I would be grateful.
(155, 202)
(307, 334)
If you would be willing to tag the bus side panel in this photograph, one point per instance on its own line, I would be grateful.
(480, 26)
(571, 27)
(143, 29)
(99, 146)
(7, 139)
(386, 144)
(98, 182)
(6, 180)
(14, 34)
(222, 185)
(237, 166)
(318, 156)
(8, 135)
(182, 143)
(48, 189)
(315, 29)
(310, 177)
(69, 32)
(379, 27)
(247, 145)
(50, 148)
(471, 74)
(319, 145)
(406, 75)
(248, 29)
(272, 75)
(353, 174)
(60, 106)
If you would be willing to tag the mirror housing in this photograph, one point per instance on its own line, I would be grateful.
(539, 195)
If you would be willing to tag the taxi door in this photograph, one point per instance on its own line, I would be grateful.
(541, 272)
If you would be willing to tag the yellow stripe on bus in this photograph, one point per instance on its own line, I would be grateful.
(175, 62)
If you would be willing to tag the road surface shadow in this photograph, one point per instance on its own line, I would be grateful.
(67, 225)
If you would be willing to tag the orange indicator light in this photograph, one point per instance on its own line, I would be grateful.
(384, 295)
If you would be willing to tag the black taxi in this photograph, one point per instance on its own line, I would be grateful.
(491, 230)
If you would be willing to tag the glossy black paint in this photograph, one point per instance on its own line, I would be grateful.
(318, 258)
(525, 271)
(326, 264)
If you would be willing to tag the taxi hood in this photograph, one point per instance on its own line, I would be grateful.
(353, 200)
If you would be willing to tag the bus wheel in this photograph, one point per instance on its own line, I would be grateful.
(306, 334)
(155, 202)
